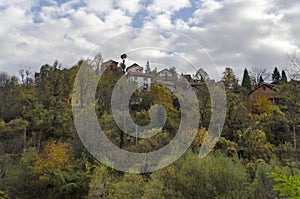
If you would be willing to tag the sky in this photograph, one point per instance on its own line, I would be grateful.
(184, 34)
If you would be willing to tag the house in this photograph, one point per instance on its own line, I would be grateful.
(109, 66)
(135, 68)
(267, 90)
(165, 74)
(143, 80)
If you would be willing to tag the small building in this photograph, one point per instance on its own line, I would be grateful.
(135, 68)
(110, 66)
(165, 74)
(143, 80)
(267, 90)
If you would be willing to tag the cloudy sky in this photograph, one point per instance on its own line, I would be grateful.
(239, 34)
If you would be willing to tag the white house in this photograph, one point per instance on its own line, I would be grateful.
(143, 80)
(165, 73)
(135, 68)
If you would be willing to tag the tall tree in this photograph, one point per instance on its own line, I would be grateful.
(275, 75)
(293, 65)
(229, 79)
(148, 69)
(246, 83)
(283, 77)
(261, 80)
(258, 73)
(123, 66)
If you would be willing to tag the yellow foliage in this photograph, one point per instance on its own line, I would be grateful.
(54, 158)
(199, 138)
(261, 104)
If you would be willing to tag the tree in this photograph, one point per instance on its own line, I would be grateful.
(275, 76)
(283, 77)
(148, 69)
(261, 80)
(254, 144)
(97, 62)
(293, 65)
(229, 79)
(287, 183)
(21, 72)
(290, 97)
(258, 75)
(28, 73)
(214, 176)
(125, 189)
(4, 79)
(246, 83)
(123, 66)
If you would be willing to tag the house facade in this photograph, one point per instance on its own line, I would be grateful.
(109, 66)
(264, 89)
(135, 68)
(143, 80)
(165, 74)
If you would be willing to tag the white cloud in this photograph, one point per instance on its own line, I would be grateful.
(130, 6)
(236, 33)
(159, 6)
(99, 6)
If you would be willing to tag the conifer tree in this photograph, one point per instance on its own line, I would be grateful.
(246, 83)
(261, 80)
(276, 75)
(283, 77)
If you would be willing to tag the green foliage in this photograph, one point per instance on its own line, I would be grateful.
(126, 189)
(254, 145)
(246, 82)
(287, 181)
(262, 186)
(210, 177)
(229, 79)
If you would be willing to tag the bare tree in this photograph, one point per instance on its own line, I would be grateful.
(293, 65)
(97, 62)
(28, 72)
(4, 79)
(22, 73)
(258, 74)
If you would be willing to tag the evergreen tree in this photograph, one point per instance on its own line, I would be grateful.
(148, 69)
(261, 80)
(246, 83)
(283, 77)
(276, 75)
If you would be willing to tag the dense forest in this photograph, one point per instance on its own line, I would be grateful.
(41, 155)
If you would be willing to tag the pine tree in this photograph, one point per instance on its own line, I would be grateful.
(283, 77)
(276, 76)
(148, 69)
(261, 80)
(246, 83)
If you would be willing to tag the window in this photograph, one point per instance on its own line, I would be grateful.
(145, 79)
(264, 88)
(135, 78)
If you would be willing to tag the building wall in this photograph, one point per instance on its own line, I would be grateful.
(265, 90)
(165, 73)
(135, 70)
(140, 80)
